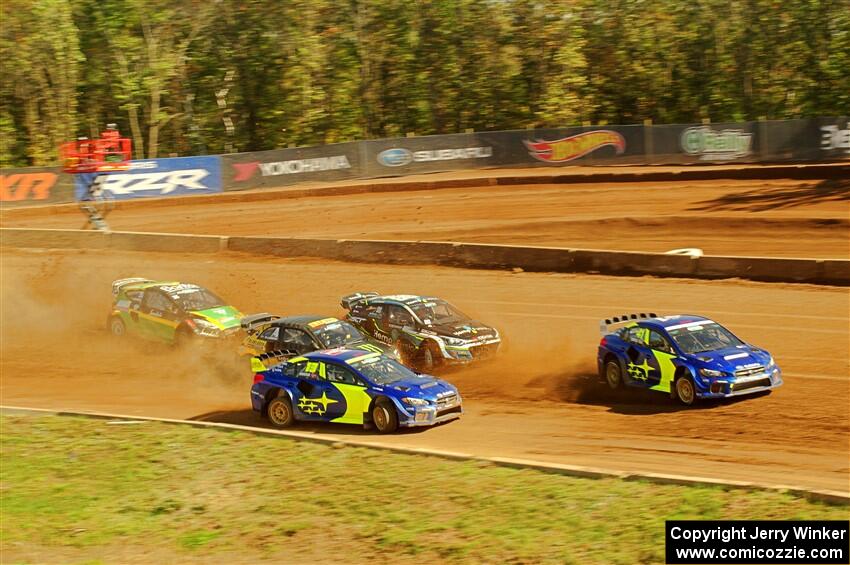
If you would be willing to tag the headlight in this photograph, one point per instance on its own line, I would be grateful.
(205, 327)
(414, 401)
(710, 373)
(454, 341)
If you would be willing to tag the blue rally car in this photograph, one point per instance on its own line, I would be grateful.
(688, 357)
(352, 387)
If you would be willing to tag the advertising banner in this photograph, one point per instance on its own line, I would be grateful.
(411, 155)
(600, 145)
(175, 176)
(35, 185)
(834, 138)
(705, 143)
(281, 167)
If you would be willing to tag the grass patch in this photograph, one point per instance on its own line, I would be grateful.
(77, 488)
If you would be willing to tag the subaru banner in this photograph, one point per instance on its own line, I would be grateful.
(176, 176)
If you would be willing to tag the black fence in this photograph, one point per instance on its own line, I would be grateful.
(817, 139)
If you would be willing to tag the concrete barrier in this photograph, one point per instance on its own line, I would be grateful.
(835, 271)
(452, 254)
(167, 242)
(127, 241)
(53, 239)
(760, 268)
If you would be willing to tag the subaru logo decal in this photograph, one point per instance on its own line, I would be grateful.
(395, 157)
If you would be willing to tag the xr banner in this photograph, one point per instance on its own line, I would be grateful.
(34, 185)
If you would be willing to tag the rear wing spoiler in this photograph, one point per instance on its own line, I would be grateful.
(248, 323)
(352, 300)
(608, 323)
(265, 361)
(121, 283)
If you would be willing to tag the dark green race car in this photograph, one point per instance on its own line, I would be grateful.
(170, 312)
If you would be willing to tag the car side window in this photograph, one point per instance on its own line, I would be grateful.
(635, 335)
(270, 334)
(375, 311)
(297, 340)
(399, 316)
(154, 300)
(313, 370)
(135, 297)
(339, 374)
(658, 342)
(292, 369)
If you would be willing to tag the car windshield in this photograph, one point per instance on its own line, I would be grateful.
(382, 370)
(338, 334)
(704, 337)
(194, 298)
(436, 311)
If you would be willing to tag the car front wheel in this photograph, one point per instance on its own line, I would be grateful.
(685, 390)
(384, 417)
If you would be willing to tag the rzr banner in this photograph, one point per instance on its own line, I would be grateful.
(176, 176)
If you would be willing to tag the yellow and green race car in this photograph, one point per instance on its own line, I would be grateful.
(171, 312)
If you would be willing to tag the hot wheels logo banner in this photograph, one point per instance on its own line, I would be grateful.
(177, 176)
(575, 146)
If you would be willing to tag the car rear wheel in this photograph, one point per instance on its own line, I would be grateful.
(613, 374)
(279, 412)
(384, 417)
(685, 390)
(117, 327)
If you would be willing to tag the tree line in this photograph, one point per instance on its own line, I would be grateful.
(187, 77)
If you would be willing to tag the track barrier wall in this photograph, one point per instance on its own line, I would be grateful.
(451, 254)
(802, 140)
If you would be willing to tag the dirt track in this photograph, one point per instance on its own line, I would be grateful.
(784, 218)
(538, 401)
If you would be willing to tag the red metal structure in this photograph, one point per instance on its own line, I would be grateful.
(93, 159)
(109, 153)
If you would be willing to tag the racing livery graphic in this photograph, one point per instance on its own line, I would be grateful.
(425, 332)
(352, 386)
(171, 312)
(271, 338)
(575, 146)
(689, 357)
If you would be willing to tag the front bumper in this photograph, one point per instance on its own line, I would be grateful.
(418, 416)
(461, 355)
(730, 387)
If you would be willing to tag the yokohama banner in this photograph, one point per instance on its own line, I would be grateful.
(289, 166)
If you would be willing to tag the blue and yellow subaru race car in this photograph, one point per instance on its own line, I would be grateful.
(688, 357)
(351, 386)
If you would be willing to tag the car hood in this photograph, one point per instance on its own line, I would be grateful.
(426, 387)
(471, 330)
(372, 347)
(732, 359)
(223, 317)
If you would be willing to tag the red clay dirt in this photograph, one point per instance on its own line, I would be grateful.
(538, 400)
(782, 218)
